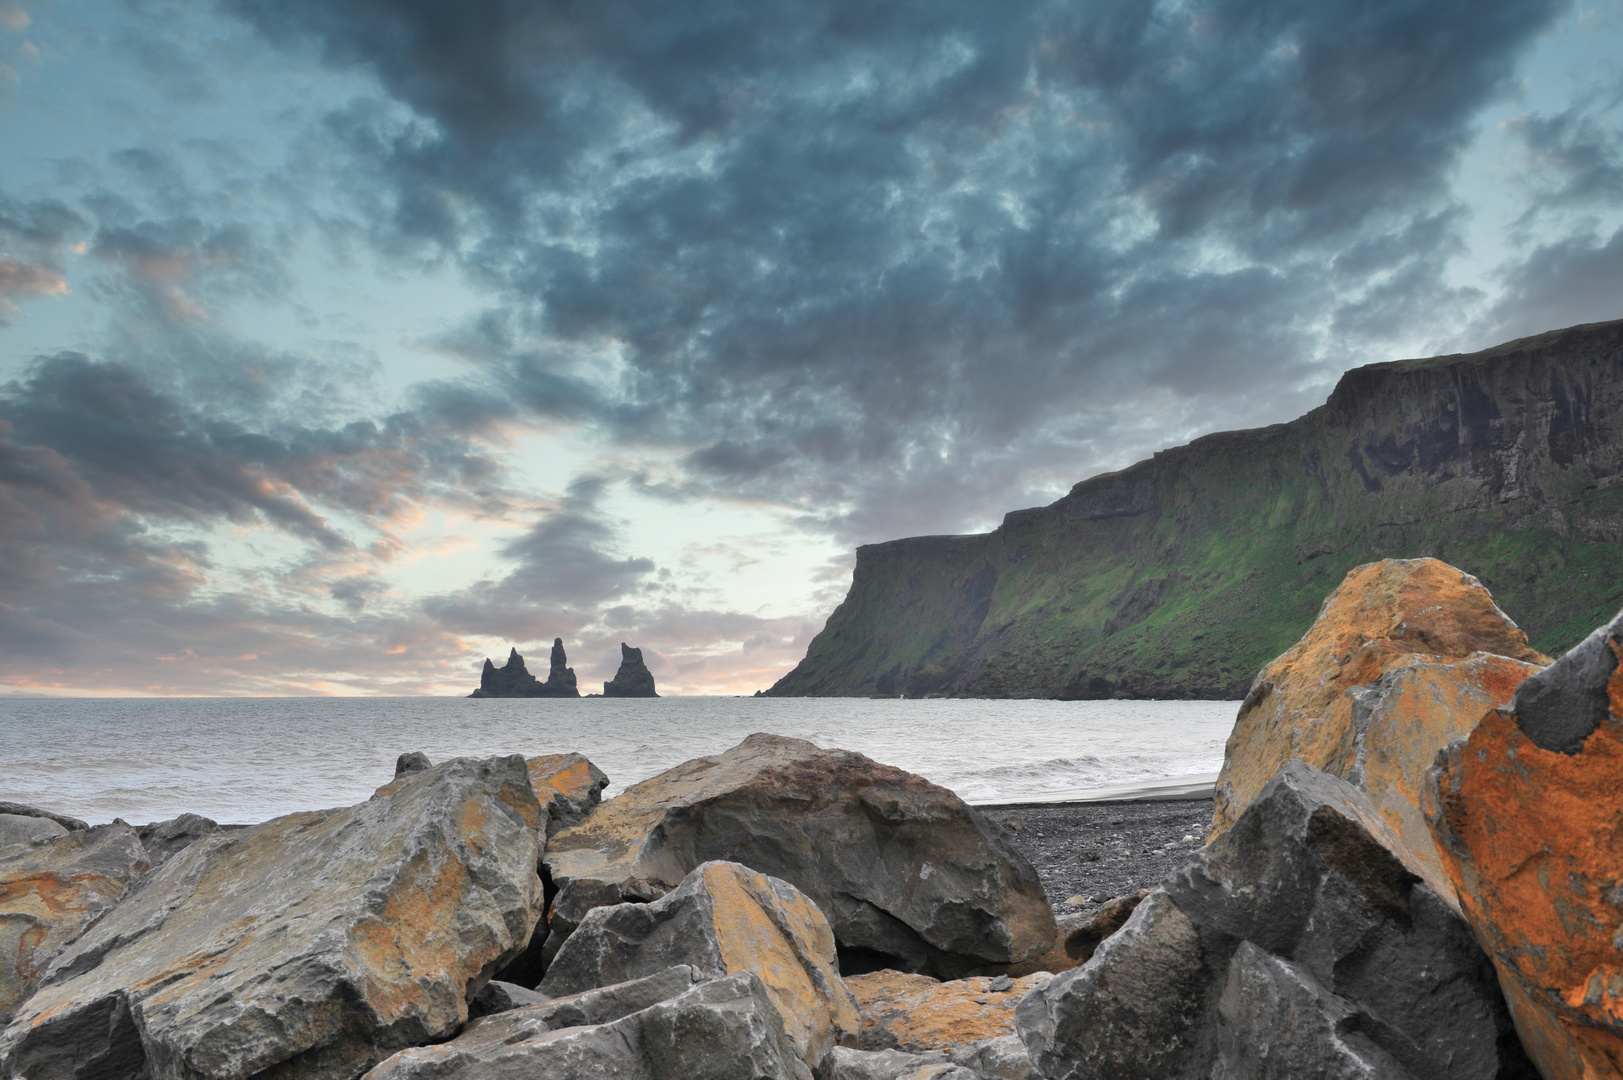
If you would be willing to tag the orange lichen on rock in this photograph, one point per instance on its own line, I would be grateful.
(568, 785)
(52, 892)
(1405, 655)
(1528, 814)
(917, 1013)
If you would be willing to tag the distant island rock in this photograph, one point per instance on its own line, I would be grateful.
(633, 679)
(514, 679)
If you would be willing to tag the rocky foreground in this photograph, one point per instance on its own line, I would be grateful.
(1410, 871)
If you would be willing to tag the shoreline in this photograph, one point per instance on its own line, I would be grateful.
(1101, 849)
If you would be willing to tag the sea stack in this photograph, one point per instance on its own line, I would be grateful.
(514, 679)
(633, 679)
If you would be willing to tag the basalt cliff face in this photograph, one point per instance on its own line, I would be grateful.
(1181, 576)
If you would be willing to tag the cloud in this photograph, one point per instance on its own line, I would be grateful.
(822, 251)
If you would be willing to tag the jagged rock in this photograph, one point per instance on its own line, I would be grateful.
(597, 1006)
(164, 840)
(17, 829)
(908, 875)
(726, 1029)
(514, 679)
(1081, 943)
(916, 1013)
(499, 997)
(721, 919)
(51, 892)
(633, 679)
(1526, 811)
(568, 786)
(71, 824)
(1405, 655)
(1313, 878)
(313, 945)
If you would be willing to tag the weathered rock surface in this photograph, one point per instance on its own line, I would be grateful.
(915, 1013)
(568, 786)
(1352, 959)
(71, 824)
(514, 679)
(633, 679)
(51, 892)
(1003, 1057)
(1404, 656)
(313, 945)
(1528, 813)
(17, 829)
(723, 918)
(848, 1063)
(1183, 575)
(164, 840)
(725, 1029)
(908, 875)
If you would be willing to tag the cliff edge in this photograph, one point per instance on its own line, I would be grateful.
(1182, 575)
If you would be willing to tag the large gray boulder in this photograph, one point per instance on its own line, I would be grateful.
(315, 944)
(725, 1029)
(54, 890)
(723, 918)
(909, 876)
(1301, 942)
(20, 829)
(166, 839)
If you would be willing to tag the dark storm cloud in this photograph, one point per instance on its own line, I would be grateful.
(1575, 280)
(831, 249)
(1577, 153)
(565, 573)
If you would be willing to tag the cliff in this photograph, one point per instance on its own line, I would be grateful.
(1181, 576)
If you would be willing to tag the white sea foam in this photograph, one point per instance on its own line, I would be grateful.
(242, 760)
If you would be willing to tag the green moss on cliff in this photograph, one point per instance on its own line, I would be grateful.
(1183, 575)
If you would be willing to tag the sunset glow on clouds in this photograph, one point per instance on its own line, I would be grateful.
(343, 344)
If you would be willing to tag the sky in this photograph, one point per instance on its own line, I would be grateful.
(344, 343)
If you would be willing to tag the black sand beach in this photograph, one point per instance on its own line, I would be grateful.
(1102, 850)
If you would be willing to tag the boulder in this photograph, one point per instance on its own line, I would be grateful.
(1405, 655)
(633, 679)
(54, 890)
(568, 786)
(499, 997)
(915, 1013)
(314, 944)
(412, 761)
(1003, 1057)
(1352, 958)
(1083, 941)
(17, 829)
(1528, 813)
(71, 824)
(725, 1029)
(164, 840)
(848, 1063)
(722, 918)
(908, 875)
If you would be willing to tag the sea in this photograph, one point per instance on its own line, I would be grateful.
(243, 760)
